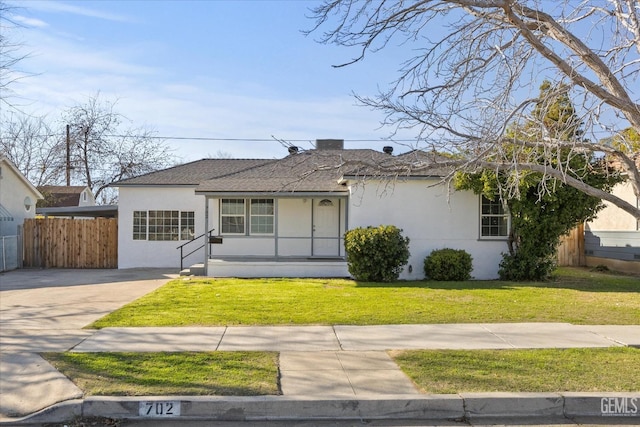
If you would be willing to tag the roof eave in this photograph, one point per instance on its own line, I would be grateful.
(22, 178)
(347, 178)
(154, 185)
(279, 194)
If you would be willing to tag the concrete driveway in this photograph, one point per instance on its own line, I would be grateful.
(70, 299)
(44, 310)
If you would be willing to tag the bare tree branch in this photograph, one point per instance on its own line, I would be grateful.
(475, 64)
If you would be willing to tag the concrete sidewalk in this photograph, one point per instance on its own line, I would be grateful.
(319, 365)
(323, 338)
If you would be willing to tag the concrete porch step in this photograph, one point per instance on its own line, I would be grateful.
(194, 270)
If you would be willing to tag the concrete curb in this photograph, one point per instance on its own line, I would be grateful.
(497, 405)
(262, 408)
(386, 407)
(60, 412)
(602, 405)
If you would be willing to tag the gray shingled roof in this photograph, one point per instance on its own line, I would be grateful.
(306, 171)
(415, 163)
(61, 195)
(193, 173)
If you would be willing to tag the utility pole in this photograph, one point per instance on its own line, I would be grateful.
(68, 171)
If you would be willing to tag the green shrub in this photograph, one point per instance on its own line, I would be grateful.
(448, 264)
(376, 254)
(526, 266)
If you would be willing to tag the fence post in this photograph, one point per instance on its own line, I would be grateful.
(20, 250)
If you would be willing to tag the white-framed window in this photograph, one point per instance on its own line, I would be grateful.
(261, 216)
(232, 214)
(494, 219)
(139, 225)
(163, 225)
(247, 216)
(187, 225)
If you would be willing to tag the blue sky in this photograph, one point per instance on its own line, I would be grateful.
(204, 69)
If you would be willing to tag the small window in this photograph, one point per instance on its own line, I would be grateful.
(261, 216)
(494, 220)
(28, 203)
(232, 215)
(139, 225)
(187, 225)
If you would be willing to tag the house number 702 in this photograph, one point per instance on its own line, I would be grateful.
(159, 408)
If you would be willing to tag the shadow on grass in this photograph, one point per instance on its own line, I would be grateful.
(167, 373)
(579, 279)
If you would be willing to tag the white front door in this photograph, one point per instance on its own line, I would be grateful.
(326, 227)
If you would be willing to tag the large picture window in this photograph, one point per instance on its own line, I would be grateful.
(494, 219)
(163, 225)
(250, 216)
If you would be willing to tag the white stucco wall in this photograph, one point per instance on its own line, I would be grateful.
(13, 192)
(431, 218)
(144, 253)
(294, 231)
(612, 217)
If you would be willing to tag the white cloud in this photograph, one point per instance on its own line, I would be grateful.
(68, 72)
(29, 22)
(60, 7)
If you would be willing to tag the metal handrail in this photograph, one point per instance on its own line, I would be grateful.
(181, 247)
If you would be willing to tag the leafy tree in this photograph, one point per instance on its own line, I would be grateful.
(544, 210)
(471, 71)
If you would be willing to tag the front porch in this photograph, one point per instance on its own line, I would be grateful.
(252, 267)
(291, 235)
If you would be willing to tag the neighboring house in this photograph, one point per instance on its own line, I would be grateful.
(613, 238)
(287, 217)
(18, 198)
(60, 196)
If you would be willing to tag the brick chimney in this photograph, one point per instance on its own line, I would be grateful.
(329, 144)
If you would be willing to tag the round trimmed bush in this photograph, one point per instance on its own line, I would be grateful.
(376, 254)
(448, 264)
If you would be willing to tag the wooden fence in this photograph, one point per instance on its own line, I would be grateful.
(571, 249)
(71, 243)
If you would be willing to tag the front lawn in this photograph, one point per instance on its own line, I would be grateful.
(541, 370)
(246, 373)
(575, 295)
(434, 371)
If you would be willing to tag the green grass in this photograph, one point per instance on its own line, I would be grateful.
(149, 374)
(549, 370)
(434, 371)
(575, 296)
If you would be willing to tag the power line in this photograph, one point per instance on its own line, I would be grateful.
(196, 138)
(200, 138)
